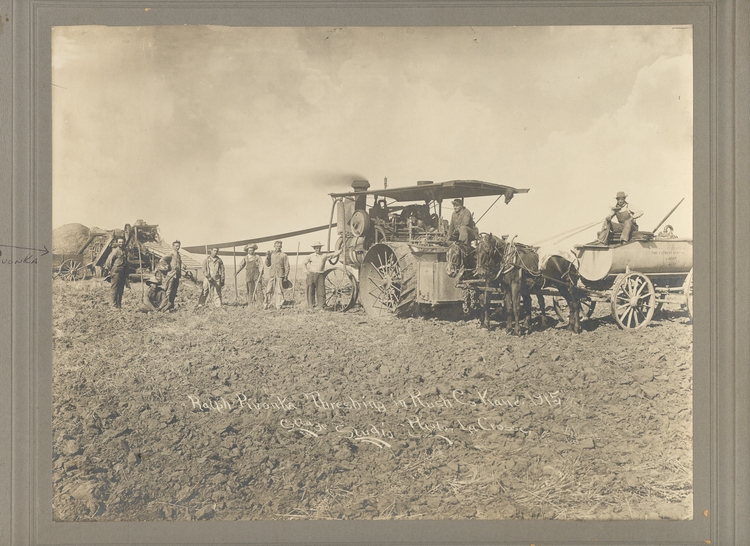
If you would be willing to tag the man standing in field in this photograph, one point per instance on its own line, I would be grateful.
(171, 267)
(278, 275)
(462, 223)
(253, 266)
(117, 265)
(213, 278)
(315, 266)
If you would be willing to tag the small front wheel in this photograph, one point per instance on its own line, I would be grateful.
(341, 289)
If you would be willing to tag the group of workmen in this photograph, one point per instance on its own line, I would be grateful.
(273, 269)
(265, 276)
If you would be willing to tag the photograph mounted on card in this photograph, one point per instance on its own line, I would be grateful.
(372, 273)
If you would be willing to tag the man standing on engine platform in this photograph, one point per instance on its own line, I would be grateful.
(462, 223)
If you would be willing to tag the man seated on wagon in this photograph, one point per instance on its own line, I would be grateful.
(625, 224)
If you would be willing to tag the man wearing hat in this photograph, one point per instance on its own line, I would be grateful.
(462, 223)
(253, 265)
(625, 224)
(315, 265)
(155, 296)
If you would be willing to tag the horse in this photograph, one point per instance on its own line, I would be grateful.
(495, 264)
(461, 260)
(518, 268)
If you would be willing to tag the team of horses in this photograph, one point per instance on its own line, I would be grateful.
(520, 272)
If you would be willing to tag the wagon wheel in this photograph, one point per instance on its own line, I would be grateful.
(71, 270)
(341, 290)
(360, 223)
(561, 308)
(687, 290)
(388, 280)
(633, 301)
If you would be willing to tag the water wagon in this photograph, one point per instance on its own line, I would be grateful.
(638, 277)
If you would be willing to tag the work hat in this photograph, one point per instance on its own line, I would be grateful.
(457, 202)
(317, 244)
(252, 245)
(151, 280)
(621, 195)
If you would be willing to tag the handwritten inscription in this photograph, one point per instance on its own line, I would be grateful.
(414, 400)
(382, 420)
(31, 258)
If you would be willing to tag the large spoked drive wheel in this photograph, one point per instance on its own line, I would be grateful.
(687, 289)
(633, 301)
(387, 280)
(72, 271)
(341, 289)
(562, 312)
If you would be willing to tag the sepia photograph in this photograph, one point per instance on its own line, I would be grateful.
(372, 273)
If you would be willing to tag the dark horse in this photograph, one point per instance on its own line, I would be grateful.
(461, 261)
(462, 264)
(517, 267)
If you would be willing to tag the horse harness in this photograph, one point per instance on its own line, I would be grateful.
(512, 258)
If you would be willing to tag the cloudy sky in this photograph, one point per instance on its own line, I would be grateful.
(226, 133)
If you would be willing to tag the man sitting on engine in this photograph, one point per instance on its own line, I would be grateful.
(462, 224)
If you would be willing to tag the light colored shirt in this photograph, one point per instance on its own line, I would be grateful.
(624, 213)
(214, 268)
(316, 263)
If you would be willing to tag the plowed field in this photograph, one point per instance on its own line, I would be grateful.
(240, 413)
